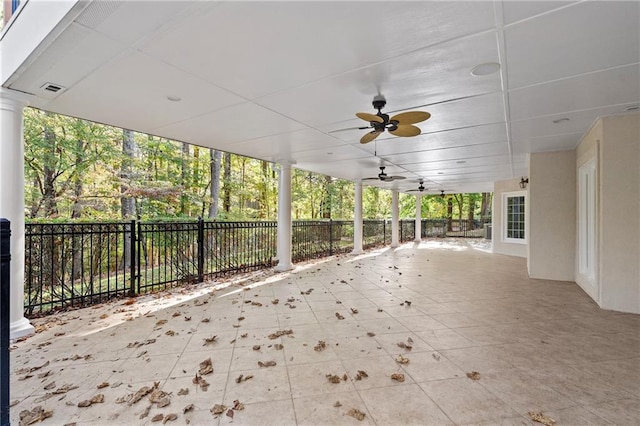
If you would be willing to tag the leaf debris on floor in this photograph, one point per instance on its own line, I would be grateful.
(218, 409)
(340, 317)
(209, 340)
(357, 414)
(320, 346)
(271, 363)
(242, 378)
(402, 360)
(206, 367)
(541, 418)
(279, 333)
(37, 414)
(398, 377)
(361, 375)
(474, 375)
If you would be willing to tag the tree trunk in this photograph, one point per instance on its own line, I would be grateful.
(226, 178)
(326, 203)
(449, 214)
(264, 190)
(184, 178)
(215, 156)
(49, 174)
(76, 210)
(472, 207)
(485, 207)
(127, 202)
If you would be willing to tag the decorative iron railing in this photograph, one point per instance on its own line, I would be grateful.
(79, 264)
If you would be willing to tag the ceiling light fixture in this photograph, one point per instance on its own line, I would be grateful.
(632, 108)
(460, 162)
(524, 182)
(174, 98)
(485, 69)
(560, 120)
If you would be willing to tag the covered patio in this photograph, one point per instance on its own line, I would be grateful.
(432, 312)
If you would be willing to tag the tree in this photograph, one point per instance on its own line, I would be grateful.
(214, 193)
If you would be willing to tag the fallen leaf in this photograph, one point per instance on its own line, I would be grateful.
(337, 404)
(241, 378)
(380, 310)
(188, 408)
(209, 340)
(160, 322)
(402, 360)
(186, 319)
(354, 311)
(157, 418)
(85, 403)
(183, 391)
(103, 385)
(129, 302)
(97, 399)
(14, 403)
(37, 414)
(398, 377)
(275, 301)
(206, 319)
(407, 302)
(206, 367)
(474, 375)
(541, 418)
(218, 409)
(361, 375)
(340, 317)
(244, 335)
(279, 333)
(320, 346)
(371, 334)
(267, 363)
(241, 318)
(50, 386)
(256, 347)
(357, 414)
(176, 314)
(169, 418)
(45, 374)
(278, 347)
(170, 333)
(333, 378)
(435, 356)
(237, 405)
(145, 413)
(229, 413)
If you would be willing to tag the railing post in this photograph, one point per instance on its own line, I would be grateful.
(132, 253)
(200, 250)
(5, 305)
(330, 237)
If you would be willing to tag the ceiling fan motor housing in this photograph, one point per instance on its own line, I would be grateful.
(379, 102)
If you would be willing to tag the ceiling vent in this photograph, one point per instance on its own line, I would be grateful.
(53, 88)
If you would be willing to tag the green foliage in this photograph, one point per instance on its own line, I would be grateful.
(75, 169)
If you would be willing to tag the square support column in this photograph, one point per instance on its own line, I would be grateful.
(357, 220)
(395, 241)
(12, 201)
(284, 218)
(418, 236)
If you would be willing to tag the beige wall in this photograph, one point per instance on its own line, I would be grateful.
(552, 231)
(620, 213)
(499, 246)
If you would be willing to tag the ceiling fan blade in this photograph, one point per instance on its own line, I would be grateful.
(369, 137)
(390, 178)
(369, 117)
(348, 128)
(371, 178)
(406, 131)
(410, 117)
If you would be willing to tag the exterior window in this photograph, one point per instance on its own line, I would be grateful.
(514, 217)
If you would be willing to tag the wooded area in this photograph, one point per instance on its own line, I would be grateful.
(78, 170)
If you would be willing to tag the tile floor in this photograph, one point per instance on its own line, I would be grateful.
(538, 345)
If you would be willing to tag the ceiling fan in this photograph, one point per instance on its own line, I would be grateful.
(421, 188)
(398, 125)
(382, 176)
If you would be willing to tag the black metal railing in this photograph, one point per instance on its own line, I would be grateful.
(78, 264)
(5, 306)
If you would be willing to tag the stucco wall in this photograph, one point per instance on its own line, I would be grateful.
(499, 246)
(552, 231)
(620, 213)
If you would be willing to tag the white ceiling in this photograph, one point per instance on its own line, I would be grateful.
(274, 80)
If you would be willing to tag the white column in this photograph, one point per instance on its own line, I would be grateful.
(357, 220)
(418, 218)
(284, 218)
(12, 201)
(395, 241)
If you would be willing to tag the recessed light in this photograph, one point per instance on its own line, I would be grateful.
(174, 98)
(560, 120)
(460, 162)
(329, 153)
(440, 173)
(485, 69)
